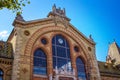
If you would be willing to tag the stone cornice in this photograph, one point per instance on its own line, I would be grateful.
(18, 23)
(26, 24)
(92, 42)
(106, 74)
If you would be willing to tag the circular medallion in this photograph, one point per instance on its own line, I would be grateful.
(60, 41)
(26, 32)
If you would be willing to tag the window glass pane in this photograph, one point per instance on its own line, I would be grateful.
(43, 62)
(54, 62)
(53, 40)
(1, 78)
(68, 53)
(79, 61)
(39, 53)
(1, 75)
(53, 50)
(36, 61)
(66, 43)
(40, 63)
(61, 62)
(81, 69)
(60, 40)
(40, 70)
(61, 52)
(1, 72)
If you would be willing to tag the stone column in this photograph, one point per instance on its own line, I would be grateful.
(49, 64)
(16, 62)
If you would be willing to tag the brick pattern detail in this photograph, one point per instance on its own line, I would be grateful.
(25, 46)
(68, 33)
(7, 68)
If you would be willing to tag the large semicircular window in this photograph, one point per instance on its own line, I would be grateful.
(40, 64)
(61, 53)
(1, 74)
(80, 69)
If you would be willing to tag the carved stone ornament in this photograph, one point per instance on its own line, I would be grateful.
(57, 20)
(26, 32)
(59, 16)
(19, 17)
(24, 70)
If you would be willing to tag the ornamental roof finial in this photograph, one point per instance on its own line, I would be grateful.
(19, 17)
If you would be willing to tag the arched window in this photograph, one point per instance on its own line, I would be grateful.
(80, 69)
(40, 62)
(61, 53)
(1, 74)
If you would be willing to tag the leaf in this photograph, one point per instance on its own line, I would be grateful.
(28, 2)
(14, 5)
(23, 4)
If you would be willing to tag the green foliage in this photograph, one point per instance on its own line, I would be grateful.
(14, 5)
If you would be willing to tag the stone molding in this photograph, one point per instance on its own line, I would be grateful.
(69, 33)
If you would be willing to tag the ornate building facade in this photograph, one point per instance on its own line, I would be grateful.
(111, 68)
(49, 49)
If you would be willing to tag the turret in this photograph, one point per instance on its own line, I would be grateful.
(58, 12)
(113, 54)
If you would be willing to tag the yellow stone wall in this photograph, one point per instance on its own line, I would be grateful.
(27, 39)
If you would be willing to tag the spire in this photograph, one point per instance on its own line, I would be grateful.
(64, 11)
(54, 8)
(114, 52)
(19, 17)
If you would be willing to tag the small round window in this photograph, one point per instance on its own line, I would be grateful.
(76, 48)
(26, 32)
(44, 41)
(89, 48)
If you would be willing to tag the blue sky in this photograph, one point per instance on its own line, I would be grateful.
(100, 18)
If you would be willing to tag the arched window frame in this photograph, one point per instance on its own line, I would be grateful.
(1, 74)
(39, 69)
(63, 45)
(82, 71)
